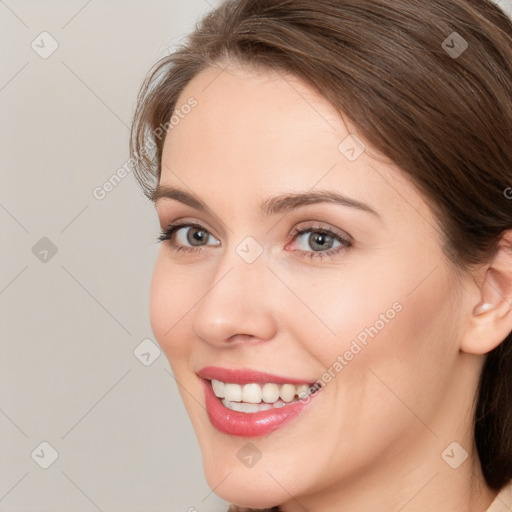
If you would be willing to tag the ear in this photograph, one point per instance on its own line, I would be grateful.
(491, 319)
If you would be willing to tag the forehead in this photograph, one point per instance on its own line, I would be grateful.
(255, 107)
(258, 133)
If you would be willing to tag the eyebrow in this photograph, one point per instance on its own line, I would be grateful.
(283, 203)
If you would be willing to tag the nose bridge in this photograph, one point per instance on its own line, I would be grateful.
(237, 300)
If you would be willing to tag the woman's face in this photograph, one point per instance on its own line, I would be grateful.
(373, 320)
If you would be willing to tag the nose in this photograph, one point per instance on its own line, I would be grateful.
(237, 304)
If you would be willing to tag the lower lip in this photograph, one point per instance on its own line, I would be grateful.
(250, 424)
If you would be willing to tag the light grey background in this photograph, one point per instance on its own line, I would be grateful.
(71, 321)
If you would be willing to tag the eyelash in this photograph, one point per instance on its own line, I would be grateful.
(169, 231)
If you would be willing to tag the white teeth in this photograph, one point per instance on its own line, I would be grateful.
(242, 407)
(255, 394)
(270, 393)
(218, 388)
(287, 392)
(303, 391)
(251, 393)
(251, 408)
(232, 392)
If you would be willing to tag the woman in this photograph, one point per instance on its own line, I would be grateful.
(333, 180)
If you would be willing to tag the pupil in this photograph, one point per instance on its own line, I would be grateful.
(318, 239)
(198, 236)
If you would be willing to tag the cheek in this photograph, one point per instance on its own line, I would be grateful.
(392, 304)
(168, 306)
(397, 325)
(338, 311)
(404, 363)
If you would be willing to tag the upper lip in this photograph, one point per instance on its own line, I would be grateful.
(246, 376)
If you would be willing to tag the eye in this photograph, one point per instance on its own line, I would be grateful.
(190, 233)
(323, 241)
(190, 237)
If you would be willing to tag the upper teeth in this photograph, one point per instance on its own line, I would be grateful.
(255, 393)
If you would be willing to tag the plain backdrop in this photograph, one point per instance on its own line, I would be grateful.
(90, 415)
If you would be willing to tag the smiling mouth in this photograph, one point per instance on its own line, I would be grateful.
(255, 397)
(257, 403)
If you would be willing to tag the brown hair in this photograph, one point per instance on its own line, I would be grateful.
(444, 119)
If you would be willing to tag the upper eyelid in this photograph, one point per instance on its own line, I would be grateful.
(188, 218)
(328, 228)
(185, 222)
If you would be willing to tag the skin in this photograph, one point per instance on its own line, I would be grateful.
(375, 434)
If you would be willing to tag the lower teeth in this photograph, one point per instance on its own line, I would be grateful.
(252, 408)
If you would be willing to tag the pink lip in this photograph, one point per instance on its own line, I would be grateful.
(246, 376)
(248, 424)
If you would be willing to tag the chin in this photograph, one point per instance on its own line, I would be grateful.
(245, 487)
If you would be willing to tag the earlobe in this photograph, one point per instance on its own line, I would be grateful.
(491, 318)
(482, 308)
